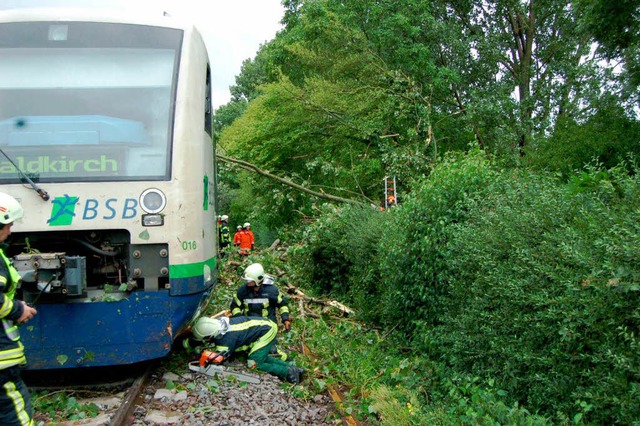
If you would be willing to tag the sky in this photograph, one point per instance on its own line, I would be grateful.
(233, 30)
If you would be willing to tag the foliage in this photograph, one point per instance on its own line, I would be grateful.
(512, 275)
(339, 253)
(529, 282)
(615, 25)
(414, 250)
(544, 298)
(369, 257)
(608, 137)
(61, 406)
(350, 92)
(388, 388)
(226, 114)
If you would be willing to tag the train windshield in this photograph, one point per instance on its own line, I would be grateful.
(87, 101)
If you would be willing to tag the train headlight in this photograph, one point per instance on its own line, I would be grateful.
(152, 201)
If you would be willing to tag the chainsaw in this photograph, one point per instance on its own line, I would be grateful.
(222, 371)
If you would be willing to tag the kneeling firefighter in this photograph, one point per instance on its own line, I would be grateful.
(253, 335)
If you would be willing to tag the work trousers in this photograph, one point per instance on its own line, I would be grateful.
(269, 364)
(259, 355)
(15, 401)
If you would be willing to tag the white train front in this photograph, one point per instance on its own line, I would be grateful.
(105, 139)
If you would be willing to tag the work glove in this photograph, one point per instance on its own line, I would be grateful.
(192, 346)
(287, 325)
(210, 357)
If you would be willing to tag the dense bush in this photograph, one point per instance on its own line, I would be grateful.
(340, 255)
(609, 136)
(505, 275)
(543, 293)
(414, 253)
(387, 263)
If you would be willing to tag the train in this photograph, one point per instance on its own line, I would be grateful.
(106, 141)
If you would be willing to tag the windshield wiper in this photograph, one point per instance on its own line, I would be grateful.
(41, 192)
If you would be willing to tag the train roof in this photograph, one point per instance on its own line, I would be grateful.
(60, 14)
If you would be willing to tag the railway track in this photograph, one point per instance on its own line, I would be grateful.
(124, 416)
(160, 395)
(113, 391)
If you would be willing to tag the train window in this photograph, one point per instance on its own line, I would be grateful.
(208, 116)
(87, 101)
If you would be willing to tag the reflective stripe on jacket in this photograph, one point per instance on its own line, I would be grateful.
(265, 303)
(11, 350)
(225, 235)
(246, 334)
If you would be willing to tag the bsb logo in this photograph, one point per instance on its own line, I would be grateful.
(63, 209)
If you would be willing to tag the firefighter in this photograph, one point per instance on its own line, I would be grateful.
(237, 236)
(259, 297)
(219, 227)
(225, 235)
(253, 335)
(252, 239)
(15, 401)
(246, 240)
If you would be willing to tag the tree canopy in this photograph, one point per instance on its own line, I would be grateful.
(350, 92)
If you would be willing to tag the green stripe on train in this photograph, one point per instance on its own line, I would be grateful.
(191, 269)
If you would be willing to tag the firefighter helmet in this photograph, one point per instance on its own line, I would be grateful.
(246, 225)
(10, 209)
(206, 327)
(224, 217)
(255, 273)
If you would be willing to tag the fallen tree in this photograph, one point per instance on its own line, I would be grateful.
(252, 167)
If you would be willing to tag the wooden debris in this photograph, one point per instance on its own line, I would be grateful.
(298, 294)
(302, 312)
(274, 245)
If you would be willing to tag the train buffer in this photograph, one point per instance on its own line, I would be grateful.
(222, 371)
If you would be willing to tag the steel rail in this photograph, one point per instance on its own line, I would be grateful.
(335, 394)
(124, 415)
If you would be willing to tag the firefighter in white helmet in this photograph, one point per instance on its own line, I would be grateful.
(237, 236)
(224, 234)
(15, 401)
(244, 240)
(247, 228)
(225, 335)
(259, 297)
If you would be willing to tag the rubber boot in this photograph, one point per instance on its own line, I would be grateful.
(294, 375)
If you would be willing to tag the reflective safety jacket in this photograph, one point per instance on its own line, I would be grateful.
(245, 334)
(11, 349)
(265, 303)
(225, 235)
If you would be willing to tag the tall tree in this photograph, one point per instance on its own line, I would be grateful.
(501, 71)
(350, 92)
(529, 53)
(615, 25)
